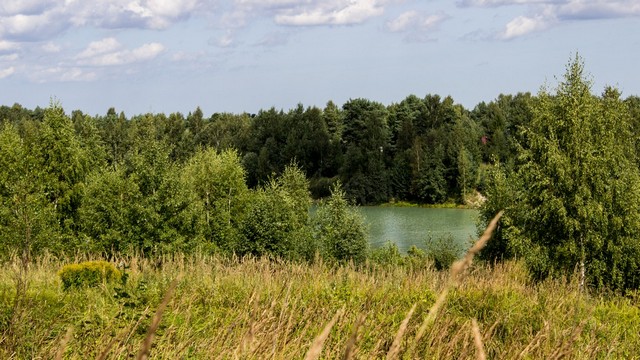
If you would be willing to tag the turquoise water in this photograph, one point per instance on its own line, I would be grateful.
(407, 226)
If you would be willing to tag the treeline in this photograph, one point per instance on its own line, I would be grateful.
(426, 150)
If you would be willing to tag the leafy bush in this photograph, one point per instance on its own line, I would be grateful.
(88, 274)
(387, 255)
(340, 230)
(277, 219)
(417, 259)
(443, 251)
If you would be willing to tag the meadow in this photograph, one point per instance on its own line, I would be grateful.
(211, 307)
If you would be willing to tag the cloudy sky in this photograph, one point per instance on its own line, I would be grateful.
(244, 55)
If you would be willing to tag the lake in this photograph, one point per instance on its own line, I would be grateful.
(407, 226)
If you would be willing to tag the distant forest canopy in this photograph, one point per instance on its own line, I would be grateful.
(426, 150)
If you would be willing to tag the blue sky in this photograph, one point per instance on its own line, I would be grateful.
(244, 55)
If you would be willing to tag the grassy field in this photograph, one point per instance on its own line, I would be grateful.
(250, 308)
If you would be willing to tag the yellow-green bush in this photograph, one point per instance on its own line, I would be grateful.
(88, 273)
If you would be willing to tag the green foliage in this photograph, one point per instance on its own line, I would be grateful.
(115, 134)
(339, 229)
(308, 140)
(218, 182)
(431, 184)
(501, 190)
(64, 163)
(88, 274)
(500, 121)
(28, 222)
(443, 251)
(387, 255)
(88, 134)
(365, 135)
(112, 213)
(565, 170)
(467, 172)
(576, 205)
(116, 216)
(277, 220)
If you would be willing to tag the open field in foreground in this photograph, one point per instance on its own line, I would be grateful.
(257, 308)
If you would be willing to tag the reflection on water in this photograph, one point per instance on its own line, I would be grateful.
(408, 226)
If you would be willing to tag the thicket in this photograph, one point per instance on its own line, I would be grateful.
(65, 189)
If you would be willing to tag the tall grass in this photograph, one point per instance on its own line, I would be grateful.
(255, 308)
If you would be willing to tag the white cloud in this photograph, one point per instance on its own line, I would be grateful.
(330, 13)
(25, 7)
(109, 52)
(523, 25)
(100, 47)
(61, 73)
(8, 46)
(51, 48)
(157, 14)
(31, 27)
(274, 39)
(417, 26)
(10, 57)
(224, 41)
(402, 22)
(413, 20)
(597, 9)
(590, 8)
(76, 74)
(7, 72)
(544, 14)
(495, 3)
(146, 52)
(37, 20)
(29, 20)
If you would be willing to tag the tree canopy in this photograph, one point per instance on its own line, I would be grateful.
(572, 200)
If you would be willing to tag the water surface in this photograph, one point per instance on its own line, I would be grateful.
(407, 226)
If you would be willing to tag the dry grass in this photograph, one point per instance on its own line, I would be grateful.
(146, 344)
(316, 347)
(261, 309)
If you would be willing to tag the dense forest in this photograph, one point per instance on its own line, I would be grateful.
(425, 150)
(242, 183)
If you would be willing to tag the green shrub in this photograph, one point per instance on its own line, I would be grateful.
(417, 258)
(339, 229)
(88, 274)
(387, 255)
(443, 251)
